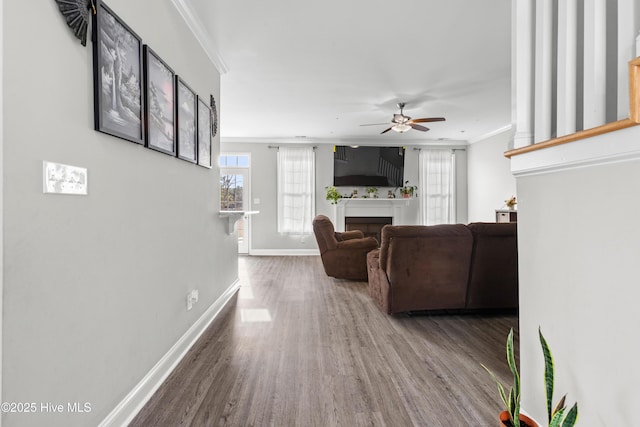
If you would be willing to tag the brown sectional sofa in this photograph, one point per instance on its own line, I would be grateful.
(452, 266)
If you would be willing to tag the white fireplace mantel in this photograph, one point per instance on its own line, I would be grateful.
(369, 208)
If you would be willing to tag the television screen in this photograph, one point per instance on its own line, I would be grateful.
(368, 166)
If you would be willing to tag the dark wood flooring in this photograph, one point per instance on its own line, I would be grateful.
(297, 348)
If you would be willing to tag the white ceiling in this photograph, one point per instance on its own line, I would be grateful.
(321, 69)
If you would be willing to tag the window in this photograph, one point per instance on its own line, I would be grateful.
(296, 190)
(233, 174)
(438, 183)
(234, 161)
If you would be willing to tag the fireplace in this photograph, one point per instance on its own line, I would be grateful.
(370, 208)
(371, 226)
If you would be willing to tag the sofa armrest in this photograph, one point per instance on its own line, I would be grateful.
(348, 235)
(365, 243)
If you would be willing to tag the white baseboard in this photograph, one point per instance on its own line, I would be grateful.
(129, 407)
(284, 252)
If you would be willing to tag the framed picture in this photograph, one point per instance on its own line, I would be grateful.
(204, 134)
(186, 114)
(159, 102)
(117, 77)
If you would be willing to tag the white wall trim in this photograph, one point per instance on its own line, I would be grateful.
(613, 147)
(129, 407)
(202, 35)
(284, 252)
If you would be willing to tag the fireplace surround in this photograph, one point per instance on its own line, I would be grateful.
(369, 208)
(371, 226)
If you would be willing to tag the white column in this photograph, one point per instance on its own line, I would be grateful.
(627, 33)
(522, 71)
(544, 70)
(567, 66)
(595, 66)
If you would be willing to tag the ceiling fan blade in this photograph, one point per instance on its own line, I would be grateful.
(428, 119)
(376, 124)
(418, 127)
(385, 131)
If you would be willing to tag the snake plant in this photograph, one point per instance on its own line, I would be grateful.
(558, 416)
(512, 399)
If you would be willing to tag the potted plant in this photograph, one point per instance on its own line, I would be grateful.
(511, 202)
(407, 190)
(333, 195)
(372, 192)
(511, 417)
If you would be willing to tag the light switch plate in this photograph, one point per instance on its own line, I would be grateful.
(64, 179)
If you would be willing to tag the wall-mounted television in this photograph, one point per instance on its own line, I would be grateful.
(360, 166)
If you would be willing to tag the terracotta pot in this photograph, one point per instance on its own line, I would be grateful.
(524, 420)
(406, 195)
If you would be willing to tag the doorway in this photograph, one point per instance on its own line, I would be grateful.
(235, 193)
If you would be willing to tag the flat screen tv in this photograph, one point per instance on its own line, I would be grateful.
(368, 166)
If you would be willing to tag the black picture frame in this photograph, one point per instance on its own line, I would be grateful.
(117, 77)
(159, 100)
(186, 122)
(204, 134)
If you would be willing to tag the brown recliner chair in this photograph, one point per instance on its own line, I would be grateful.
(344, 255)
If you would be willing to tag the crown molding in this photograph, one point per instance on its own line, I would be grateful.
(507, 128)
(202, 35)
(342, 141)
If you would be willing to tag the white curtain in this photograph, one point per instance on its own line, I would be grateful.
(296, 190)
(437, 186)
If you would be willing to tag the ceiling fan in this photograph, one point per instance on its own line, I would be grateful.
(401, 123)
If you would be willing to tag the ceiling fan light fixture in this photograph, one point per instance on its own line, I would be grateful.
(401, 128)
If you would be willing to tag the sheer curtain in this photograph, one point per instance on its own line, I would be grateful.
(437, 184)
(296, 189)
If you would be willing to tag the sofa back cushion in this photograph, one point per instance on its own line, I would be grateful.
(493, 279)
(427, 266)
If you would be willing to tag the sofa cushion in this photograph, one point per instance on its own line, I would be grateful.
(493, 277)
(427, 266)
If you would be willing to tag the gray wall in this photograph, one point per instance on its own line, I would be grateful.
(95, 286)
(579, 244)
(264, 235)
(490, 178)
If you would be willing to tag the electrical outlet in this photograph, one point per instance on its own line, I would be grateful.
(192, 298)
(189, 301)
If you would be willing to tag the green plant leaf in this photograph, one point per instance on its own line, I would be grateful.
(511, 360)
(503, 395)
(556, 421)
(572, 416)
(548, 372)
(516, 413)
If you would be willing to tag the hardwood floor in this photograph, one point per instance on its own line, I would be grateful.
(297, 348)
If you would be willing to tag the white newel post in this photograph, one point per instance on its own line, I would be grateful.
(567, 66)
(522, 71)
(595, 65)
